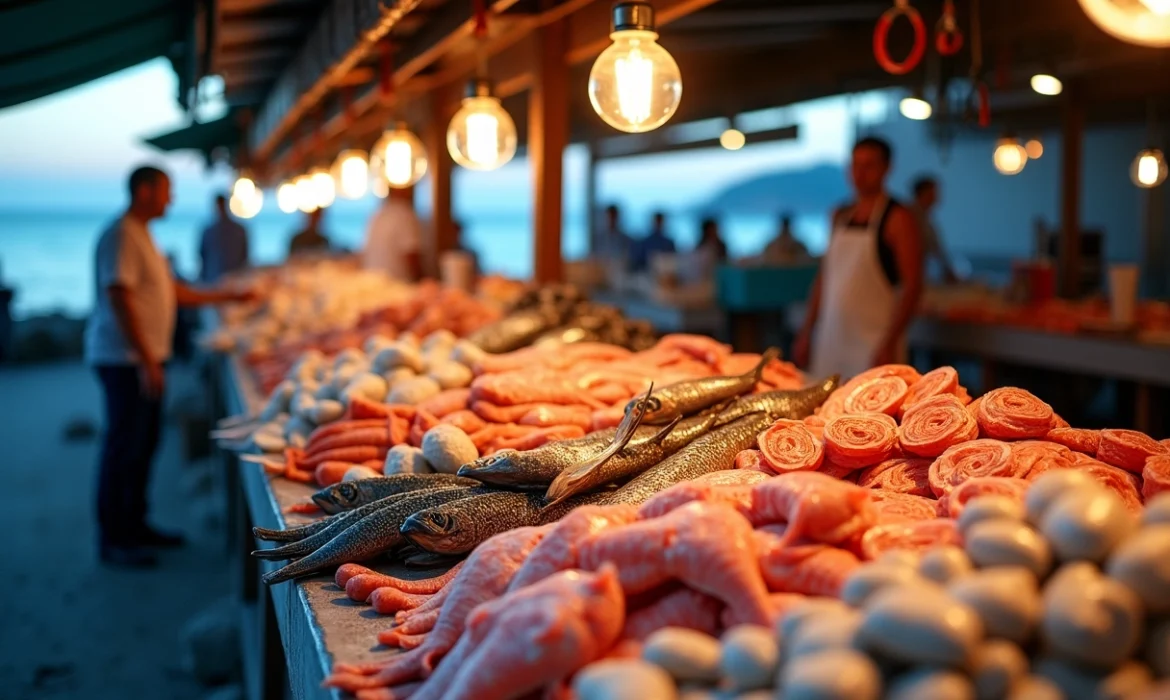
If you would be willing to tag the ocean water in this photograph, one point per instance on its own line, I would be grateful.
(47, 256)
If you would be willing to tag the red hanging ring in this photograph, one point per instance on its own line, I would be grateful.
(948, 39)
(881, 33)
(386, 71)
(480, 19)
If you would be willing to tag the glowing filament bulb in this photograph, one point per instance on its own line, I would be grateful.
(1158, 7)
(635, 82)
(1147, 170)
(399, 166)
(483, 138)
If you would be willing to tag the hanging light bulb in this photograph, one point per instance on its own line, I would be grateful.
(322, 187)
(379, 186)
(306, 193)
(246, 206)
(732, 139)
(1034, 149)
(1047, 84)
(635, 84)
(401, 156)
(351, 174)
(915, 108)
(1146, 22)
(1149, 168)
(481, 135)
(244, 188)
(286, 197)
(1009, 157)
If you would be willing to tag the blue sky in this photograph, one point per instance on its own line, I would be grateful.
(73, 149)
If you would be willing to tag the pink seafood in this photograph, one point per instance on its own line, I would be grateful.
(707, 546)
(557, 551)
(680, 607)
(916, 536)
(839, 512)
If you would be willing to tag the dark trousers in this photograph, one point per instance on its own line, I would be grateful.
(133, 423)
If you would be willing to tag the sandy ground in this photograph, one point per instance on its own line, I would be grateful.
(70, 627)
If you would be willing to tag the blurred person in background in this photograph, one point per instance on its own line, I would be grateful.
(925, 199)
(657, 242)
(870, 279)
(711, 243)
(610, 242)
(223, 247)
(785, 248)
(393, 239)
(127, 341)
(311, 238)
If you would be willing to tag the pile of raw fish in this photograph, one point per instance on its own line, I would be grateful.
(693, 427)
(439, 403)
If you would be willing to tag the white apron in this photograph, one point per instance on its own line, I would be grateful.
(857, 301)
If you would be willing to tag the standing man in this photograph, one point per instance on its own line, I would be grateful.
(223, 247)
(925, 200)
(610, 243)
(870, 280)
(310, 239)
(127, 341)
(393, 239)
(656, 242)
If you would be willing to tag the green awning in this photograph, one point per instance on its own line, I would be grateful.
(51, 45)
(204, 137)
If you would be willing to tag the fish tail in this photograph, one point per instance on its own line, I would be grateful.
(270, 535)
(661, 434)
(569, 481)
(770, 354)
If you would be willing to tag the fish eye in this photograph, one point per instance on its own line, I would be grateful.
(347, 491)
(440, 521)
(653, 404)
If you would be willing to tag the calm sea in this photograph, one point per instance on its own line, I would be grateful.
(47, 257)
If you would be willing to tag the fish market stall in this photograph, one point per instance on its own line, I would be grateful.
(290, 634)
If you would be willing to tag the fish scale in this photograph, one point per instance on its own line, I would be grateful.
(693, 395)
(372, 535)
(714, 451)
(460, 526)
(639, 456)
(352, 494)
(337, 524)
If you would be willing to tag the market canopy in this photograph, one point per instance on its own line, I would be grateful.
(51, 45)
(204, 137)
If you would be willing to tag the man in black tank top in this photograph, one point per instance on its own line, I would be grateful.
(875, 290)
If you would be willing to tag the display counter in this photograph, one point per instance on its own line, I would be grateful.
(291, 633)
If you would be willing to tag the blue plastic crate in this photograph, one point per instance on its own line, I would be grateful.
(753, 289)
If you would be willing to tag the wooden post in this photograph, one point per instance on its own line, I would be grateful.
(548, 131)
(1072, 141)
(444, 103)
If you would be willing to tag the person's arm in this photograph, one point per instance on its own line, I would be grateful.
(187, 295)
(903, 236)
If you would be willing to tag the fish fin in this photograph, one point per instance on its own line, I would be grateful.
(769, 355)
(564, 485)
(661, 434)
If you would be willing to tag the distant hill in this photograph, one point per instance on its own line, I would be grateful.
(814, 189)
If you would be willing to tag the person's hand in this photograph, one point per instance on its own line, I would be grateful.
(248, 295)
(800, 349)
(152, 379)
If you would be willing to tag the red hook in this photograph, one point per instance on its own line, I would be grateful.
(948, 39)
(881, 32)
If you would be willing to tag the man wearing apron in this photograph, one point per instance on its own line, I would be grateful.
(870, 279)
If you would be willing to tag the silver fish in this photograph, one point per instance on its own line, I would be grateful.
(352, 494)
(460, 526)
(536, 468)
(374, 534)
(693, 395)
(714, 451)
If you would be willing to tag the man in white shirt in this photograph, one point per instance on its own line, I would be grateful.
(393, 239)
(127, 340)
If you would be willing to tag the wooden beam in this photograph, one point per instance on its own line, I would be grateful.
(443, 104)
(548, 133)
(1071, 147)
(659, 141)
